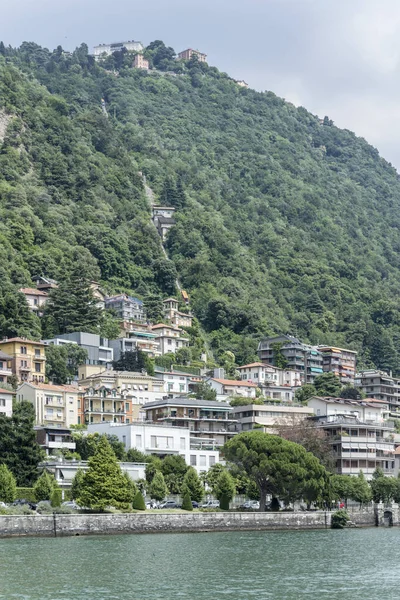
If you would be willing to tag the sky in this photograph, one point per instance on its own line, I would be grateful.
(339, 58)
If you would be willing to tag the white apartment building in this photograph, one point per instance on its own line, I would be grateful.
(6, 398)
(259, 372)
(107, 49)
(36, 299)
(380, 385)
(162, 440)
(226, 388)
(169, 338)
(253, 416)
(55, 405)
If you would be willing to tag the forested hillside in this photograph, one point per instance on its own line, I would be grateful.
(284, 223)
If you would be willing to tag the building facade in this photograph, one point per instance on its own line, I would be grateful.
(189, 53)
(161, 440)
(28, 358)
(135, 336)
(169, 338)
(210, 423)
(175, 317)
(36, 299)
(54, 439)
(107, 49)
(380, 385)
(126, 307)
(361, 437)
(6, 402)
(139, 62)
(97, 348)
(163, 219)
(339, 361)
(304, 359)
(55, 405)
(266, 417)
(5, 367)
(226, 388)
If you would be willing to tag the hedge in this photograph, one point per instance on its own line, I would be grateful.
(26, 493)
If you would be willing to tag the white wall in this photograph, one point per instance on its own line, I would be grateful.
(6, 404)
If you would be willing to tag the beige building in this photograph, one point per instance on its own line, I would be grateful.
(227, 388)
(265, 417)
(28, 358)
(139, 62)
(189, 53)
(5, 367)
(117, 396)
(169, 338)
(174, 316)
(36, 299)
(55, 405)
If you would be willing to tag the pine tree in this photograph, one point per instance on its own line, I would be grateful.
(72, 307)
(103, 484)
(8, 486)
(224, 489)
(44, 487)
(186, 502)
(192, 482)
(76, 484)
(138, 501)
(131, 487)
(158, 488)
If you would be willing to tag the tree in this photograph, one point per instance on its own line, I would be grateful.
(307, 434)
(16, 318)
(158, 489)
(62, 362)
(134, 455)
(361, 490)
(133, 360)
(174, 468)
(72, 306)
(192, 483)
(56, 497)
(76, 484)
(383, 489)
(342, 487)
(138, 501)
(280, 360)
(130, 486)
(339, 519)
(242, 401)
(8, 486)
(183, 356)
(103, 484)
(352, 393)
(327, 384)
(204, 391)
(280, 468)
(304, 393)
(186, 502)
(86, 444)
(213, 474)
(44, 486)
(19, 449)
(224, 489)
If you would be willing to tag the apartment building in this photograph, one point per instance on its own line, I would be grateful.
(174, 316)
(163, 219)
(189, 53)
(380, 385)
(131, 390)
(107, 49)
(210, 423)
(126, 307)
(169, 338)
(361, 437)
(98, 350)
(5, 367)
(226, 388)
(304, 359)
(35, 298)
(54, 439)
(135, 336)
(28, 359)
(161, 440)
(55, 405)
(255, 416)
(340, 361)
(6, 402)
(139, 62)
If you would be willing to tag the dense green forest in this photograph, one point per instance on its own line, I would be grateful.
(285, 223)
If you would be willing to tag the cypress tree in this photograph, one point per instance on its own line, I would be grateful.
(158, 488)
(138, 501)
(186, 502)
(8, 486)
(193, 484)
(44, 487)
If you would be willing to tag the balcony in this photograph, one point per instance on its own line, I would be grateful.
(61, 445)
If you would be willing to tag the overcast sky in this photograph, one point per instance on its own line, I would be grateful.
(339, 58)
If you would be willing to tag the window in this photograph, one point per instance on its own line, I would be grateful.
(181, 387)
(203, 460)
(2, 402)
(1, 365)
(37, 367)
(37, 351)
(49, 411)
(182, 443)
(126, 406)
(211, 461)
(169, 342)
(193, 460)
(138, 441)
(23, 350)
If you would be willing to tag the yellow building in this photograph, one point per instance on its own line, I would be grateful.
(28, 359)
(55, 405)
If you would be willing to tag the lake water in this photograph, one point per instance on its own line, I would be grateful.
(313, 565)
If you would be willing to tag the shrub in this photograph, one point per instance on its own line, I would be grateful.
(63, 510)
(138, 502)
(187, 503)
(56, 497)
(44, 486)
(7, 485)
(340, 519)
(44, 508)
(26, 493)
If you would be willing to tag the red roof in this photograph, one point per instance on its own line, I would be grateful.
(33, 292)
(161, 325)
(2, 391)
(234, 382)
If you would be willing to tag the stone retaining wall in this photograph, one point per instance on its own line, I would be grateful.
(86, 524)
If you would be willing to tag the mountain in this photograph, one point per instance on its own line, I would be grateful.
(285, 223)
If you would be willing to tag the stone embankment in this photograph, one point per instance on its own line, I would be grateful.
(103, 524)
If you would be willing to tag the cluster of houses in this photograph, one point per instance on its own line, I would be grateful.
(159, 414)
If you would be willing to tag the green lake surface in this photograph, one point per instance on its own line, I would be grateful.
(293, 565)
